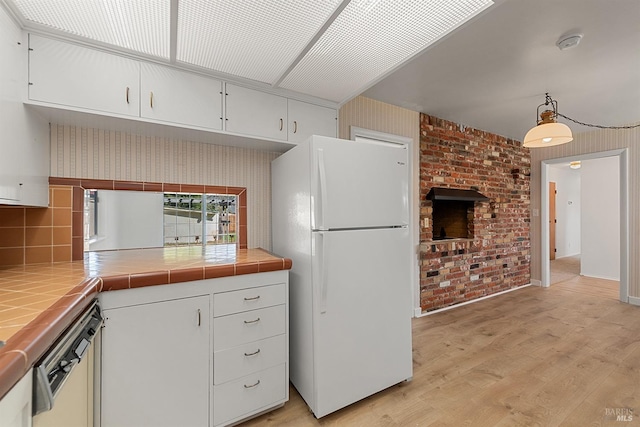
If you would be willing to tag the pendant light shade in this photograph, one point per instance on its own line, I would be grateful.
(547, 135)
(548, 132)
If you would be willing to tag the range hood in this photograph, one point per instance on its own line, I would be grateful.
(441, 193)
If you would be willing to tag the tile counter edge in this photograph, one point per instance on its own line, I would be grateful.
(20, 353)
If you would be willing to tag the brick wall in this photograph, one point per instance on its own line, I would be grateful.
(496, 257)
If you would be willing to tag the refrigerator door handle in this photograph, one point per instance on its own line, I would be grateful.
(322, 300)
(323, 189)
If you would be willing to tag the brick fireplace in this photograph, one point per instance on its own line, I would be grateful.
(479, 246)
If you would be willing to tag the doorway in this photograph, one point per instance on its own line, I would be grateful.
(594, 242)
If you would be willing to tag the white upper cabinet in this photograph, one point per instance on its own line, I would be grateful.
(24, 140)
(255, 113)
(10, 96)
(179, 97)
(308, 119)
(67, 76)
(78, 77)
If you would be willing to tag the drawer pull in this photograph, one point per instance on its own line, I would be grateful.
(252, 385)
(252, 321)
(252, 354)
(252, 298)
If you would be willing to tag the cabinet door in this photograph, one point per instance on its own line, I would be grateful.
(74, 76)
(12, 75)
(255, 113)
(179, 97)
(24, 142)
(307, 119)
(156, 364)
(15, 406)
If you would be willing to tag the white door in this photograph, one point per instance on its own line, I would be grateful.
(255, 113)
(362, 315)
(358, 184)
(307, 119)
(179, 97)
(155, 364)
(74, 76)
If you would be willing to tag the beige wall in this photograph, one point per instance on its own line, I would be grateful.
(587, 143)
(102, 154)
(375, 115)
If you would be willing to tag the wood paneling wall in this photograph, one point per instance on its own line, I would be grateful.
(103, 154)
(375, 115)
(587, 143)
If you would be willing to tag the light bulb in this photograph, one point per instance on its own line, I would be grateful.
(547, 139)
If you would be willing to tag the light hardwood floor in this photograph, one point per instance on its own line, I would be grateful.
(531, 357)
(565, 273)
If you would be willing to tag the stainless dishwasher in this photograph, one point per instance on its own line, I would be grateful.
(63, 386)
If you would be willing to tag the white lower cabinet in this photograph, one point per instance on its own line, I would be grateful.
(15, 406)
(155, 364)
(250, 352)
(204, 353)
(232, 400)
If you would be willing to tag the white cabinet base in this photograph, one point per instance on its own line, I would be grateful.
(15, 406)
(251, 394)
(230, 368)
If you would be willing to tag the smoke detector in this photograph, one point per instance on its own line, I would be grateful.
(568, 41)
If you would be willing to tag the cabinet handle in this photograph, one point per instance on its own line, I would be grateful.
(281, 124)
(252, 298)
(252, 385)
(252, 354)
(251, 321)
(199, 317)
(127, 94)
(295, 126)
(151, 99)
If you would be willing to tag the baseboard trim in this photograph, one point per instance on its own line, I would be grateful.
(451, 307)
(634, 301)
(536, 282)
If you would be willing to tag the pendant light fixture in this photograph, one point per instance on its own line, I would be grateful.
(548, 132)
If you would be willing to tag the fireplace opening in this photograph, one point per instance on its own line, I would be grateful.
(451, 219)
(452, 212)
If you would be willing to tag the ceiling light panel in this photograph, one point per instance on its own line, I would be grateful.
(372, 37)
(141, 26)
(257, 40)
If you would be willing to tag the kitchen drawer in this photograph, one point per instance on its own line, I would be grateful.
(249, 394)
(249, 358)
(241, 328)
(248, 299)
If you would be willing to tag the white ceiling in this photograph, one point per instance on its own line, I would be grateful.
(330, 49)
(491, 73)
(494, 72)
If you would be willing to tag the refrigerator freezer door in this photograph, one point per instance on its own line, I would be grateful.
(362, 315)
(358, 184)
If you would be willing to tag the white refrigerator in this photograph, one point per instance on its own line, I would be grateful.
(340, 211)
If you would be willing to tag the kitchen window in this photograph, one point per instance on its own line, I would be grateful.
(199, 219)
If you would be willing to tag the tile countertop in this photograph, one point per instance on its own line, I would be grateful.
(38, 302)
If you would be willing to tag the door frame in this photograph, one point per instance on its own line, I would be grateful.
(552, 224)
(622, 156)
(414, 197)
